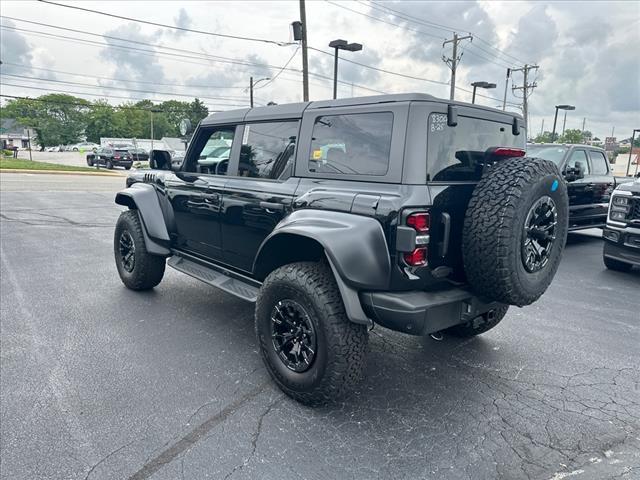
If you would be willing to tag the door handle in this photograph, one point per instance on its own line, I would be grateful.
(272, 207)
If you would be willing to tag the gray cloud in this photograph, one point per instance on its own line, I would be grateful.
(132, 64)
(535, 36)
(15, 49)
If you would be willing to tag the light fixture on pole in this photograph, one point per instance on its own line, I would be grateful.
(480, 85)
(555, 119)
(341, 45)
(253, 84)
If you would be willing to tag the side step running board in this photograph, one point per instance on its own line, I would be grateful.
(215, 278)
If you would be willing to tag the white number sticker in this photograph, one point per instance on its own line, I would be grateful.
(437, 122)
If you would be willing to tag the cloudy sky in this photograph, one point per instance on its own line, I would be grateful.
(587, 52)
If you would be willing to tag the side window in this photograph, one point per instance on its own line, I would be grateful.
(213, 147)
(267, 149)
(598, 163)
(579, 158)
(352, 144)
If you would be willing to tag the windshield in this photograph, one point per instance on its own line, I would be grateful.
(554, 153)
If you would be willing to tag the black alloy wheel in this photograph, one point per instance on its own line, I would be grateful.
(293, 335)
(539, 234)
(127, 249)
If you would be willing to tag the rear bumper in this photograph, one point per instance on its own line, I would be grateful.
(622, 244)
(421, 313)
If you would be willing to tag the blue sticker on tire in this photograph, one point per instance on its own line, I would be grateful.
(554, 186)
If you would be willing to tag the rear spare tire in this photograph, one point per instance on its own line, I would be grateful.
(515, 230)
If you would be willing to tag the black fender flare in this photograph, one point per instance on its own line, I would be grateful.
(143, 198)
(355, 246)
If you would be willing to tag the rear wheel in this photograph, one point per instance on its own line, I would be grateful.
(617, 265)
(109, 165)
(138, 269)
(309, 346)
(90, 162)
(515, 230)
(480, 324)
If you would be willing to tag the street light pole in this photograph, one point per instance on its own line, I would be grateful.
(341, 45)
(555, 119)
(564, 122)
(633, 138)
(253, 84)
(481, 85)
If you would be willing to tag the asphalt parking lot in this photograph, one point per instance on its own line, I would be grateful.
(99, 382)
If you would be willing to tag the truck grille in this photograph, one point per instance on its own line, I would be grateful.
(634, 214)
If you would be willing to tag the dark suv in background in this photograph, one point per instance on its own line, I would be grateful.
(111, 157)
(590, 180)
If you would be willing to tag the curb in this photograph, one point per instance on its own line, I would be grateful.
(61, 172)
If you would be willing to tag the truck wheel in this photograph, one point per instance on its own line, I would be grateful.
(138, 269)
(309, 346)
(515, 230)
(90, 162)
(480, 324)
(109, 165)
(616, 265)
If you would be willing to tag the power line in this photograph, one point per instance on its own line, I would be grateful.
(119, 88)
(69, 92)
(273, 79)
(174, 27)
(178, 58)
(440, 26)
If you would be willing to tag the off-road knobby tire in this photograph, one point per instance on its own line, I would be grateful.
(617, 265)
(478, 325)
(148, 269)
(494, 229)
(341, 345)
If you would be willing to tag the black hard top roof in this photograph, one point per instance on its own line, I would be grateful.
(295, 110)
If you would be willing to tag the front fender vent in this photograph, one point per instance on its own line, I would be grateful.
(149, 178)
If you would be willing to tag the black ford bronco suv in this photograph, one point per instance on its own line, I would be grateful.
(418, 214)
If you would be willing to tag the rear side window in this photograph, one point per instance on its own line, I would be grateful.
(455, 153)
(598, 163)
(352, 144)
(267, 149)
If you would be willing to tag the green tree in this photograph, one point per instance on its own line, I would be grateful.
(544, 138)
(57, 119)
(571, 136)
(100, 121)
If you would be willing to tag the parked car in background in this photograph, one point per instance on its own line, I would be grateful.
(589, 177)
(139, 154)
(110, 157)
(621, 249)
(84, 146)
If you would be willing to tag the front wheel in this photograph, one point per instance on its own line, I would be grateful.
(309, 346)
(109, 165)
(90, 162)
(138, 269)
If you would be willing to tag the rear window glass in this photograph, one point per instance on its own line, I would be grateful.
(455, 153)
(121, 152)
(352, 144)
(553, 153)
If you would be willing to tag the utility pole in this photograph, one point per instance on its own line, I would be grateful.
(506, 85)
(305, 63)
(151, 113)
(453, 61)
(526, 86)
(542, 128)
(251, 91)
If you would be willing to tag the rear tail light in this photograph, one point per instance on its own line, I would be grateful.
(116, 157)
(507, 152)
(417, 258)
(419, 221)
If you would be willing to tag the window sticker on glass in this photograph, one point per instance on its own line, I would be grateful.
(437, 122)
(245, 135)
(317, 154)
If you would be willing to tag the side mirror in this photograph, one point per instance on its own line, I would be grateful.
(160, 160)
(572, 174)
